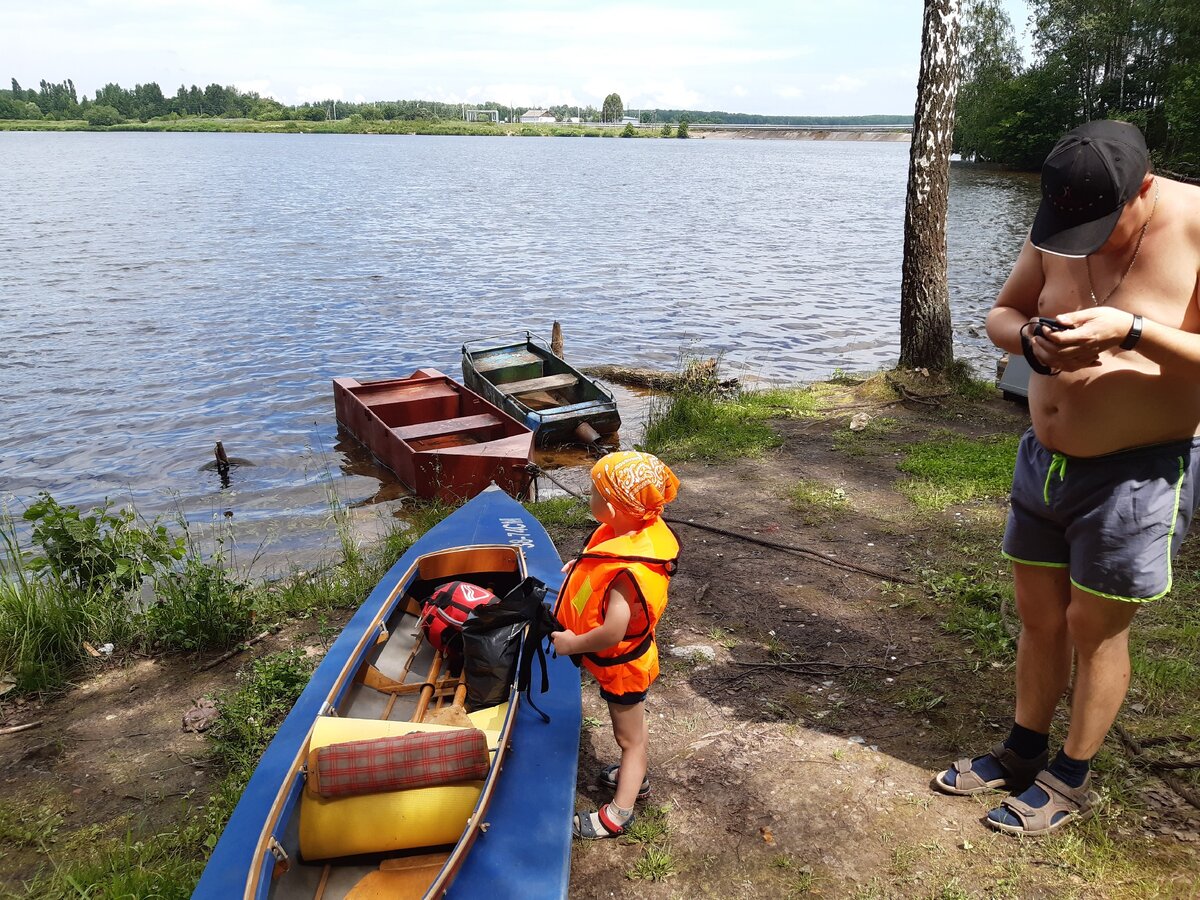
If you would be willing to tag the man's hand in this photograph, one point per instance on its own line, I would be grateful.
(1089, 333)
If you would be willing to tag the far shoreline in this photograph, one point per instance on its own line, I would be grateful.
(354, 125)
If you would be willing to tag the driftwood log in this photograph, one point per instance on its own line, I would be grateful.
(697, 375)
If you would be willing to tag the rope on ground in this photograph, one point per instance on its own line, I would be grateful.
(831, 669)
(792, 548)
(774, 545)
(906, 394)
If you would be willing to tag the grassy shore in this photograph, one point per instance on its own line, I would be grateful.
(352, 125)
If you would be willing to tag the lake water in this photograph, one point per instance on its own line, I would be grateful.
(160, 292)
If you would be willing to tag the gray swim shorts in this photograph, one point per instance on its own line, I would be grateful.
(1116, 521)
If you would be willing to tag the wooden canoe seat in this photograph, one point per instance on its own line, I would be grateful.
(445, 427)
(506, 361)
(532, 385)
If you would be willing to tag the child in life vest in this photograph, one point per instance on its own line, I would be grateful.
(612, 598)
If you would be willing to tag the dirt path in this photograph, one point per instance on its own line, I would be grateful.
(795, 762)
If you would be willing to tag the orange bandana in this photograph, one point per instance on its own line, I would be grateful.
(638, 484)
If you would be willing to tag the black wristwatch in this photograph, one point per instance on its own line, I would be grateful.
(1135, 333)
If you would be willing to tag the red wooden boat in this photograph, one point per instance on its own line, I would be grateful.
(443, 441)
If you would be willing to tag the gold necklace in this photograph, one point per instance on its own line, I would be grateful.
(1087, 260)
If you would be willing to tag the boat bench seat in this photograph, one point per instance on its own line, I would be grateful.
(506, 361)
(445, 427)
(532, 385)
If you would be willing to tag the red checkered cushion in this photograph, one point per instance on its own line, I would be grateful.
(421, 759)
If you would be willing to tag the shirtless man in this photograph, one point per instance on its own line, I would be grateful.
(1108, 477)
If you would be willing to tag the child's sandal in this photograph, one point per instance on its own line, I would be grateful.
(598, 825)
(608, 778)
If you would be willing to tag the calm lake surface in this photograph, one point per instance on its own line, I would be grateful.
(160, 292)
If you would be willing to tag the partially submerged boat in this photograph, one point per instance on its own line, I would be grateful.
(442, 440)
(507, 834)
(553, 398)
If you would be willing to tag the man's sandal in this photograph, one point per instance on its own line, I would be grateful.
(1065, 804)
(608, 778)
(1019, 773)
(598, 825)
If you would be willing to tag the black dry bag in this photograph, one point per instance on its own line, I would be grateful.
(500, 641)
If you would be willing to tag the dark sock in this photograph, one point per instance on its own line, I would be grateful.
(1025, 742)
(1072, 771)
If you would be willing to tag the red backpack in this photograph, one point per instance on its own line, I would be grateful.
(443, 614)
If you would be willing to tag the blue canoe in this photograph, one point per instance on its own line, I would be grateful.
(506, 836)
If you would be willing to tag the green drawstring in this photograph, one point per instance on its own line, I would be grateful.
(1057, 463)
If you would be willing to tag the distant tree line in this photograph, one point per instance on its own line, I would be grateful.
(113, 104)
(1137, 60)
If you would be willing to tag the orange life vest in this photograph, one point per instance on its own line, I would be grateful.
(650, 557)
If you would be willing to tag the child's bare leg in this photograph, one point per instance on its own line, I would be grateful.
(629, 728)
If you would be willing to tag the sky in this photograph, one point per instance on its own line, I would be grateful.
(803, 57)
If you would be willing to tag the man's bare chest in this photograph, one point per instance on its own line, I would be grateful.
(1160, 285)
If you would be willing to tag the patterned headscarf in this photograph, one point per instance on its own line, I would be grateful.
(638, 484)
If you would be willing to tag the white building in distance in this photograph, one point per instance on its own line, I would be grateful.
(537, 117)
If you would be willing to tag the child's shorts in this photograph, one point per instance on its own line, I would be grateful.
(625, 699)
(1116, 521)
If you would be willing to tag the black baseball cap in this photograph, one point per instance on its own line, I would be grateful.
(1087, 179)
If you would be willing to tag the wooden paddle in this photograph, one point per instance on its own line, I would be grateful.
(456, 712)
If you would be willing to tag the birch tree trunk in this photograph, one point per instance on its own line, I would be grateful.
(925, 335)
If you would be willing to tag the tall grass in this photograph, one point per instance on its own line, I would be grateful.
(701, 420)
(83, 579)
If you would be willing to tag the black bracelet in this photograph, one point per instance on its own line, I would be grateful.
(1027, 349)
(1135, 333)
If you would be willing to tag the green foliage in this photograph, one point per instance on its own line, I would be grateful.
(613, 109)
(99, 552)
(699, 424)
(953, 469)
(628, 131)
(252, 712)
(561, 512)
(28, 822)
(971, 603)
(161, 866)
(682, 131)
(201, 607)
(102, 115)
(666, 131)
(1135, 60)
(650, 830)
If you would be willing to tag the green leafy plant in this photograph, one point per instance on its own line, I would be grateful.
(202, 606)
(99, 551)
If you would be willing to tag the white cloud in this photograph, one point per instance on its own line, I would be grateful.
(738, 91)
(844, 84)
(260, 86)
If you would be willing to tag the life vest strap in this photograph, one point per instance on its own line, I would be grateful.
(629, 656)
